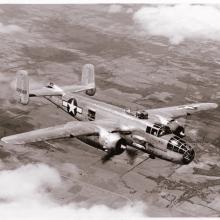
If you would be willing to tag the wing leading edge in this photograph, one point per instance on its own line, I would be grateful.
(172, 113)
(70, 129)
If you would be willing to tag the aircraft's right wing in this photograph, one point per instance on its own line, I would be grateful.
(167, 114)
(70, 129)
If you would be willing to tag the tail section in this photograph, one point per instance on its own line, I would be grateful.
(23, 92)
(88, 79)
(22, 87)
(87, 83)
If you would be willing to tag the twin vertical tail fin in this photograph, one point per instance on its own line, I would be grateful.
(87, 85)
(22, 87)
(88, 79)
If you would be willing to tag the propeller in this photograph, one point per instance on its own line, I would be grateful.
(132, 154)
(110, 154)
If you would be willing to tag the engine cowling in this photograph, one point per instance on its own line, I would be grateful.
(180, 131)
(177, 129)
(112, 141)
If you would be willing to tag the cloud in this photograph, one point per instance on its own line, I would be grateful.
(180, 22)
(26, 193)
(11, 28)
(28, 180)
(115, 8)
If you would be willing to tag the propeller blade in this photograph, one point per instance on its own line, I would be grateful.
(132, 154)
(108, 156)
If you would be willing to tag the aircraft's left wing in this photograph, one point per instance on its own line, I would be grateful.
(70, 129)
(170, 113)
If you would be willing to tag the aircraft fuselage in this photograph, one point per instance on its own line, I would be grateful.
(167, 146)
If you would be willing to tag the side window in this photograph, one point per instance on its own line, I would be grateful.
(148, 129)
(91, 114)
(169, 146)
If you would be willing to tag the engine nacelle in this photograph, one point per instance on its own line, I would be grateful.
(177, 129)
(112, 141)
(180, 131)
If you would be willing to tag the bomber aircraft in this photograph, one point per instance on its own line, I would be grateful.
(156, 132)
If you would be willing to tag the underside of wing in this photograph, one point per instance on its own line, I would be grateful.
(71, 129)
(168, 114)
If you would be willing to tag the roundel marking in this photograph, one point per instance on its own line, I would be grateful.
(72, 106)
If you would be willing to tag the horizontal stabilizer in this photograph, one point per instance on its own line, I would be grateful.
(87, 84)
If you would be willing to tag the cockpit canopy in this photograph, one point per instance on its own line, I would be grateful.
(158, 130)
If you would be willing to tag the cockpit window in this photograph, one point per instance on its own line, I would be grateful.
(165, 130)
(154, 131)
(158, 130)
(148, 129)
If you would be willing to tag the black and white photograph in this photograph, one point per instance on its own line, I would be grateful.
(109, 111)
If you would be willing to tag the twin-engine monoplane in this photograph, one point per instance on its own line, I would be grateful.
(108, 127)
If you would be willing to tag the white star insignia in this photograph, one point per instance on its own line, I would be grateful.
(72, 107)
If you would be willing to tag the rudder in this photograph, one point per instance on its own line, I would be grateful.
(88, 78)
(22, 87)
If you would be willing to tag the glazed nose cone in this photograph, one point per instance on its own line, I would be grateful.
(188, 156)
